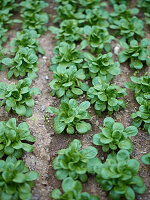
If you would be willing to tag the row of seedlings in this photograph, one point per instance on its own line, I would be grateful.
(83, 55)
(16, 179)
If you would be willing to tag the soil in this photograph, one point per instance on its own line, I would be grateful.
(48, 143)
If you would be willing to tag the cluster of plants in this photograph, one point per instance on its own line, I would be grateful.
(83, 65)
(16, 180)
(145, 5)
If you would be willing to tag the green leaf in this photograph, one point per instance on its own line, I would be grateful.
(11, 123)
(83, 127)
(19, 178)
(56, 194)
(90, 152)
(146, 159)
(131, 131)
(77, 91)
(84, 105)
(53, 110)
(30, 102)
(68, 184)
(59, 126)
(7, 61)
(31, 176)
(20, 110)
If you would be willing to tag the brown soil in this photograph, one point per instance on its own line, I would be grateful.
(48, 143)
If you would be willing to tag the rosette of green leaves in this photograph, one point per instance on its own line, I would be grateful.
(18, 97)
(106, 96)
(8, 4)
(136, 53)
(102, 66)
(118, 176)
(32, 15)
(121, 11)
(24, 63)
(2, 34)
(65, 2)
(114, 136)
(16, 180)
(142, 116)
(146, 159)
(13, 140)
(140, 85)
(129, 29)
(66, 54)
(97, 16)
(72, 190)
(68, 81)
(114, 2)
(91, 4)
(97, 37)
(70, 117)
(72, 162)
(147, 18)
(69, 31)
(26, 38)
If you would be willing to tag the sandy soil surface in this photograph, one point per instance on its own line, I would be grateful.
(48, 143)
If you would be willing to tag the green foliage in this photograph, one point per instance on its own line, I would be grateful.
(114, 2)
(69, 31)
(24, 63)
(26, 38)
(146, 159)
(137, 53)
(72, 190)
(147, 18)
(129, 29)
(114, 136)
(18, 97)
(13, 138)
(105, 96)
(118, 176)
(102, 66)
(72, 162)
(16, 180)
(66, 54)
(97, 37)
(68, 81)
(32, 15)
(144, 4)
(70, 116)
(121, 11)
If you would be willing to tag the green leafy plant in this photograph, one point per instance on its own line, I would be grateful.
(146, 159)
(26, 38)
(24, 62)
(72, 162)
(102, 66)
(13, 138)
(70, 116)
(142, 116)
(129, 29)
(97, 37)
(66, 54)
(137, 53)
(114, 136)
(69, 31)
(32, 15)
(18, 97)
(121, 11)
(106, 96)
(114, 2)
(68, 81)
(118, 176)
(72, 190)
(16, 180)
(147, 18)
(144, 4)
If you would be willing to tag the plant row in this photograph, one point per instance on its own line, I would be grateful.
(84, 65)
(21, 61)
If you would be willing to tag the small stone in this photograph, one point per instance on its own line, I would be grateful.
(46, 77)
(44, 58)
(117, 49)
(42, 108)
(35, 197)
(97, 123)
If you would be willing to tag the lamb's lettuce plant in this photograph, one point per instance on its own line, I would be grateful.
(24, 63)
(18, 97)
(144, 4)
(72, 190)
(129, 29)
(26, 38)
(118, 176)
(13, 140)
(138, 54)
(114, 136)
(66, 54)
(146, 159)
(32, 15)
(72, 162)
(97, 37)
(68, 81)
(106, 96)
(147, 18)
(69, 31)
(102, 66)
(114, 2)
(70, 117)
(16, 180)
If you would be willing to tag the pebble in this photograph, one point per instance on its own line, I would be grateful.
(46, 77)
(117, 49)
(42, 108)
